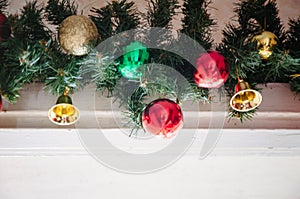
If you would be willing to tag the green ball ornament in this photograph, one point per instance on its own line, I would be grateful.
(136, 54)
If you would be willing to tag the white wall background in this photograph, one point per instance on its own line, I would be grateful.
(222, 11)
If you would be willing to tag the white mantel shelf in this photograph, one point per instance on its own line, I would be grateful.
(26, 130)
(280, 109)
(257, 159)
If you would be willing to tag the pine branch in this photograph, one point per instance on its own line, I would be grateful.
(102, 19)
(157, 81)
(295, 84)
(256, 16)
(125, 16)
(65, 77)
(58, 10)
(29, 24)
(280, 66)
(102, 70)
(23, 54)
(34, 61)
(293, 37)
(10, 87)
(135, 110)
(63, 71)
(160, 12)
(197, 22)
(3, 5)
(154, 82)
(242, 116)
(239, 50)
(116, 17)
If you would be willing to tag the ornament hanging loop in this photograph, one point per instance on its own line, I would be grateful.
(237, 70)
(67, 89)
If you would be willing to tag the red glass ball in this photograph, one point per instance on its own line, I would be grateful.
(212, 70)
(162, 117)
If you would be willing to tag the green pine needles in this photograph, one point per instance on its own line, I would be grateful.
(33, 54)
(254, 17)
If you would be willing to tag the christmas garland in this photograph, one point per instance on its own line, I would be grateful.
(254, 50)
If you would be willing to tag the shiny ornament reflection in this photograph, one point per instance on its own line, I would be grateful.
(64, 113)
(212, 70)
(163, 118)
(136, 54)
(245, 98)
(265, 42)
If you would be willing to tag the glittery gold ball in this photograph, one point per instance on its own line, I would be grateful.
(77, 34)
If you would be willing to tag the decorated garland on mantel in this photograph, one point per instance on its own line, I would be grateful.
(255, 49)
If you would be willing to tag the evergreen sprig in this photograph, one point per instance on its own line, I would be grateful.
(295, 83)
(102, 17)
(292, 44)
(252, 18)
(197, 22)
(154, 83)
(161, 12)
(63, 71)
(135, 110)
(23, 52)
(115, 18)
(256, 16)
(3, 5)
(58, 10)
(34, 61)
(242, 116)
(29, 25)
(32, 54)
(293, 37)
(101, 70)
(125, 16)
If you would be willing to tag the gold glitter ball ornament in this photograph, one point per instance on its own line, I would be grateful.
(77, 34)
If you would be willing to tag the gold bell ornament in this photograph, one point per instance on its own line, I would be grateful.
(245, 99)
(265, 42)
(64, 113)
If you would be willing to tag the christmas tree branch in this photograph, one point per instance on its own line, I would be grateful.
(101, 70)
(29, 24)
(3, 5)
(58, 10)
(102, 18)
(197, 22)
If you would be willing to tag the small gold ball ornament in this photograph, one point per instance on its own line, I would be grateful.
(76, 34)
(265, 42)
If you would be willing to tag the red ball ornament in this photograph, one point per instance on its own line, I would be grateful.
(4, 27)
(212, 70)
(162, 117)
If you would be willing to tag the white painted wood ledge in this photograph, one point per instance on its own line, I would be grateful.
(25, 129)
(280, 109)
